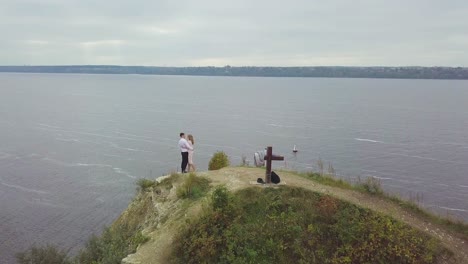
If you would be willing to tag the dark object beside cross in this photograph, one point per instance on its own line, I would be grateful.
(269, 158)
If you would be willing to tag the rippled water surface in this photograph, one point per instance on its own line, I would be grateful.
(72, 146)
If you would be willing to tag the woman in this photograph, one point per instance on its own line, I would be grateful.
(191, 165)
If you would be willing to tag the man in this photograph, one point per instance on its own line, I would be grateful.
(184, 148)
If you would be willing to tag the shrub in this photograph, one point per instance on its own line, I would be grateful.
(43, 255)
(327, 207)
(112, 246)
(218, 161)
(220, 198)
(145, 184)
(193, 187)
(371, 185)
(119, 240)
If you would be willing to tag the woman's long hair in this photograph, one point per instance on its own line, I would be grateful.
(190, 137)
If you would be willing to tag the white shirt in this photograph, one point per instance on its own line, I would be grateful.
(184, 145)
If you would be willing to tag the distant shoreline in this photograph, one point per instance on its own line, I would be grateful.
(443, 73)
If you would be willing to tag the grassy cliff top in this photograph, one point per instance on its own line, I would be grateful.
(340, 223)
(224, 216)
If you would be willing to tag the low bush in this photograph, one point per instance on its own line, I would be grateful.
(119, 240)
(43, 255)
(370, 185)
(293, 225)
(218, 161)
(221, 198)
(144, 184)
(193, 187)
(112, 246)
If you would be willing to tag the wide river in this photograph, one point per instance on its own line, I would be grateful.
(72, 146)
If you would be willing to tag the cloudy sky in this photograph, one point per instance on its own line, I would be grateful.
(236, 32)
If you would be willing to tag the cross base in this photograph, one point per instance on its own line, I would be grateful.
(269, 158)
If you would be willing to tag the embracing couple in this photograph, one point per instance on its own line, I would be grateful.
(186, 149)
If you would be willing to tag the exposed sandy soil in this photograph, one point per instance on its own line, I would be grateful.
(156, 250)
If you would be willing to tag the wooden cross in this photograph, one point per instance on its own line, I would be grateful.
(269, 158)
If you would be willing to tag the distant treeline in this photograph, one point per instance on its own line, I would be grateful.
(460, 73)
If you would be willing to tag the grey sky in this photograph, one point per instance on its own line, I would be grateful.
(240, 32)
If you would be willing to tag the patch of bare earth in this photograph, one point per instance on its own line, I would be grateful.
(158, 248)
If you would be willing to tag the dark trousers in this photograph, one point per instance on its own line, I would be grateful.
(183, 166)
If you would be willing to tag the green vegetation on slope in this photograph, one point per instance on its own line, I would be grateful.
(193, 187)
(110, 247)
(372, 186)
(124, 236)
(254, 225)
(43, 255)
(293, 225)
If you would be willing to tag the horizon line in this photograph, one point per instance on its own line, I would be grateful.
(231, 66)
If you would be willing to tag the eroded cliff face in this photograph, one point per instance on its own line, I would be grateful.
(159, 213)
(154, 211)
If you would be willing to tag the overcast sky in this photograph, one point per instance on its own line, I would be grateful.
(236, 32)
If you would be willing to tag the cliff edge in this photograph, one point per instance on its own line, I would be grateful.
(160, 212)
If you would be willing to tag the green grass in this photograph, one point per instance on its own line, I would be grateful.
(294, 225)
(114, 244)
(43, 255)
(327, 180)
(145, 184)
(373, 186)
(369, 185)
(267, 225)
(116, 241)
(457, 226)
(193, 187)
(120, 239)
(168, 182)
(124, 236)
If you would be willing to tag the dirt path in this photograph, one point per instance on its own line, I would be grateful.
(239, 178)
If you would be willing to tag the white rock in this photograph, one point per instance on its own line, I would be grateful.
(130, 260)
